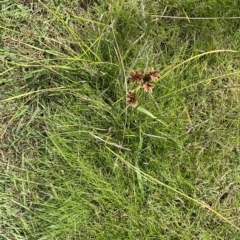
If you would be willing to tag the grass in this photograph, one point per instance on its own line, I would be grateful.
(78, 162)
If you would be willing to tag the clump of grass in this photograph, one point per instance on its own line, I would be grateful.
(79, 163)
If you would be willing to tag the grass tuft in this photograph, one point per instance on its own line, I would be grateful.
(77, 161)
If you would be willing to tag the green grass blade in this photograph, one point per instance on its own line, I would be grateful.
(156, 181)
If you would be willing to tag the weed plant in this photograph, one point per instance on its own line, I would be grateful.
(78, 161)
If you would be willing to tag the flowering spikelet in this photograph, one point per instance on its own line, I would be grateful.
(131, 99)
(136, 76)
(147, 87)
(154, 75)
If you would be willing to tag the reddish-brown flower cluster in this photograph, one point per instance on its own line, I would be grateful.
(131, 98)
(136, 76)
(143, 79)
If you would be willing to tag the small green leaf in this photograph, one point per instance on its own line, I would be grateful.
(143, 110)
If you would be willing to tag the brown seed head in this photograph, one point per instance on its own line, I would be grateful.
(147, 87)
(136, 76)
(131, 99)
(154, 74)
